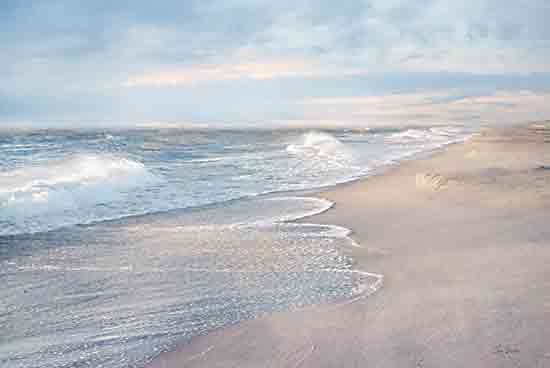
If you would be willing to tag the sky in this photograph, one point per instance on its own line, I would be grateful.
(278, 63)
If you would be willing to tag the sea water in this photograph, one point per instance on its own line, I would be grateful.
(117, 245)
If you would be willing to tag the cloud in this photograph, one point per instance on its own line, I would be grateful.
(430, 107)
(248, 70)
(252, 59)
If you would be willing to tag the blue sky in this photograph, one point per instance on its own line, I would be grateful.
(273, 63)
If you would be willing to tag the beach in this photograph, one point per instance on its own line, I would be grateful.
(246, 183)
(113, 253)
(462, 241)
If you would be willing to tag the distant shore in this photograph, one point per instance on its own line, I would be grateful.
(462, 239)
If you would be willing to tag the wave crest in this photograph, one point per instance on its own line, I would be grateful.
(436, 135)
(318, 144)
(73, 190)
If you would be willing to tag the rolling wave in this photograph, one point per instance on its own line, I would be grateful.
(322, 149)
(78, 189)
(318, 144)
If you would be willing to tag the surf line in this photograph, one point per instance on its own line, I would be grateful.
(343, 232)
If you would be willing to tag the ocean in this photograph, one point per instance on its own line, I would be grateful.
(118, 245)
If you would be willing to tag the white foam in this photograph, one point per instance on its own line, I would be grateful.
(410, 135)
(317, 206)
(318, 145)
(437, 136)
(63, 192)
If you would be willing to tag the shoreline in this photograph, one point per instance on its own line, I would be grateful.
(277, 193)
(425, 214)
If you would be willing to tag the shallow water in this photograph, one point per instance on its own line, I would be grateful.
(116, 294)
(208, 249)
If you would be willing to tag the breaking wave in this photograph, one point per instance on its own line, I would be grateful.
(431, 135)
(318, 144)
(78, 189)
(321, 146)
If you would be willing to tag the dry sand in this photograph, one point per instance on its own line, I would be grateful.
(463, 241)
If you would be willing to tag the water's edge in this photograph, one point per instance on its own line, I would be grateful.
(378, 279)
(265, 229)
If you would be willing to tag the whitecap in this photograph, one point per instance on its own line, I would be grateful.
(68, 191)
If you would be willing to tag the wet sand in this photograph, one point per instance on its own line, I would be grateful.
(462, 239)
